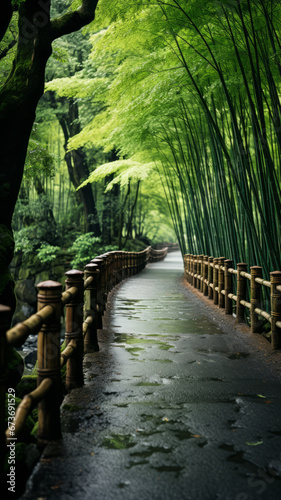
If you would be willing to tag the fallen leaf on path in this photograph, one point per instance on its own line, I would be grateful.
(254, 444)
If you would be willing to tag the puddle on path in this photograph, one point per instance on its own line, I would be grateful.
(118, 441)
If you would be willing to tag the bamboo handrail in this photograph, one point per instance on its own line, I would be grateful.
(265, 283)
(245, 304)
(88, 282)
(245, 275)
(68, 295)
(264, 314)
(89, 321)
(67, 352)
(218, 279)
(24, 408)
(17, 335)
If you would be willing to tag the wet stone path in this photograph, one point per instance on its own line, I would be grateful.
(175, 405)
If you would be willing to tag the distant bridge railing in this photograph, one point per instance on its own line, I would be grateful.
(214, 278)
(85, 298)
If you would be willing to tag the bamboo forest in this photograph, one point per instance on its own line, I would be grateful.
(160, 121)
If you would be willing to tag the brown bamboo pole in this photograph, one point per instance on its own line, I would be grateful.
(200, 272)
(228, 285)
(48, 363)
(256, 272)
(210, 277)
(99, 296)
(26, 405)
(67, 352)
(5, 318)
(188, 277)
(221, 282)
(205, 275)
(194, 270)
(91, 337)
(275, 300)
(216, 274)
(185, 264)
(74, 328)
(241, 292)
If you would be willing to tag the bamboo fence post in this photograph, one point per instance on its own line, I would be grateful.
(187, 269)
(135, 270)
(205, 276)
(197, 263)
(256, 272)
(48, 364)
(91, 338)
(200, 281)
(5, 318)
(127, 270)
(275, 299)
(99, 291)
(194, 269)
(210, 277)
(228, 285)
(241, 292)
(216, 274)
(221, 282)
(74, 329)
(123, 260)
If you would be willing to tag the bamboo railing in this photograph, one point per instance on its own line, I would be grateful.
(84, 298)
(214, 278)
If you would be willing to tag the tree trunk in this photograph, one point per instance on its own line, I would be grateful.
(78, 168)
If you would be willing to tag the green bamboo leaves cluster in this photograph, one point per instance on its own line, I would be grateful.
(194, 87)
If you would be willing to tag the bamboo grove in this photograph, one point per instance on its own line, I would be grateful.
(188, 90)
(194, 88)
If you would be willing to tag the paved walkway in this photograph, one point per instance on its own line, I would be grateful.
(176, 405)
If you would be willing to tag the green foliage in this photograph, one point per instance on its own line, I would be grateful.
(206, 112)
(47, 253)
(87, 247)
(124, 171)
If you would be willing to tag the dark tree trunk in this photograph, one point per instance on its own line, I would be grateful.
(78, 168)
